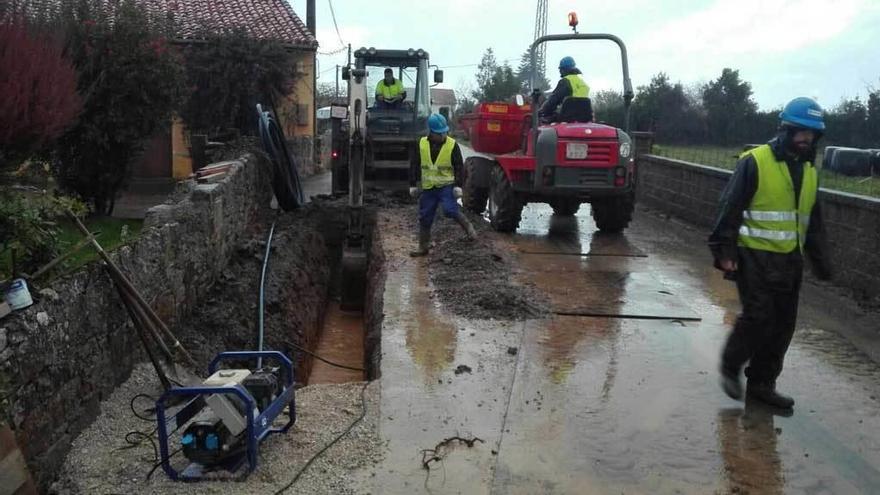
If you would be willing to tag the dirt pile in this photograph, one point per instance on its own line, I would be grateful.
(474, 279)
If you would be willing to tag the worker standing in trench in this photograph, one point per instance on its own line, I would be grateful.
(436, 171)
(767, 220)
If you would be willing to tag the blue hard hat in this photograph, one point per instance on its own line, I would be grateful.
(437, 124)
(803, 112)
(566, 63)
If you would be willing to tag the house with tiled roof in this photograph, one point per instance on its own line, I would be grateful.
(275, 20)
(168, 158)
(441, 98)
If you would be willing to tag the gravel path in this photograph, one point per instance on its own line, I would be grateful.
(97, 464)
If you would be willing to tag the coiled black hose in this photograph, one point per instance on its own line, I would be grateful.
(286, 182)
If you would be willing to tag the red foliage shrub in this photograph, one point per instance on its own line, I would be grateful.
(38, 98)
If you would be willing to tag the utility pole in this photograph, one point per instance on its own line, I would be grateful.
(337, 80)
(541, 30)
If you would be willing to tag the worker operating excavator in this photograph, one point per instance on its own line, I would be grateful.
(389, 91)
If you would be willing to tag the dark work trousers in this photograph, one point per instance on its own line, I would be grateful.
(768, 285)
(431, 198)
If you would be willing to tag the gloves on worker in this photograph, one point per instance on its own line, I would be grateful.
(414, 192)
(456, 191)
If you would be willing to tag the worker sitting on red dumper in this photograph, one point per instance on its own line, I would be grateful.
(571, 84)
(437, 171)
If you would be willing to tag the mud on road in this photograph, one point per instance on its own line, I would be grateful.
(475, 279)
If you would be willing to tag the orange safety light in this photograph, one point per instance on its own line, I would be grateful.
(573, 20)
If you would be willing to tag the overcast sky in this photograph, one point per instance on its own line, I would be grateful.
(827, 49)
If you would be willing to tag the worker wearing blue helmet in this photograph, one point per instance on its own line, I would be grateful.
(769, 221)
(570, 84)
(436, 173)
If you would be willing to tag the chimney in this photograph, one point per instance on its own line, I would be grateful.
(310, 16)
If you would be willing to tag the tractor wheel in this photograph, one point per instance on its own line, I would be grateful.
(505, 209)
(474, 198)
(565, 207)
(612, 215)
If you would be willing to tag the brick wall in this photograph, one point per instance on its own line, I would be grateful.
(690, 192)
(62, 356)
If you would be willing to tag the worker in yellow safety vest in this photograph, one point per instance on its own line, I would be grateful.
(389, 91)
(571, 84)
(436, 176)
(768, 220)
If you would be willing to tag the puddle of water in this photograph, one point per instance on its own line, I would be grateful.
(342, 341)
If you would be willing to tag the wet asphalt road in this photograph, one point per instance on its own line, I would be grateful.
(623, 402)
(626, 399)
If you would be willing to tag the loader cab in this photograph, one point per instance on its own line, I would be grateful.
(411, 68)
(390, 134)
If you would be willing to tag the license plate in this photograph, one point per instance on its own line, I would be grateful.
(576, 151)
(497, 108)
(493, 126)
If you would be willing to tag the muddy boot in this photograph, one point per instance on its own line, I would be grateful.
(469, 229)
(731, 384)
(424, 243)
(766, 393)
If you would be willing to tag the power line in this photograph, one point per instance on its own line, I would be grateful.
(334, 52)
(342, 45)
(333, 15)
(474, 65)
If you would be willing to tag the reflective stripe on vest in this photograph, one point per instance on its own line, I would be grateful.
(579, 89)
(389, 91)
(439, 173)
(774, 221)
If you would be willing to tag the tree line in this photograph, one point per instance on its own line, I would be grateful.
(721, 112)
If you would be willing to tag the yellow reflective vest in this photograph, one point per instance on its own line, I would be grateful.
(579, 89)
(389, 92)
(774, 220)
(439, 173)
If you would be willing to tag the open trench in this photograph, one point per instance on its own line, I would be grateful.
(302, 311)
(302, 294)
(583, 362)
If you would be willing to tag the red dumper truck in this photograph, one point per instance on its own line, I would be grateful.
(564, 163)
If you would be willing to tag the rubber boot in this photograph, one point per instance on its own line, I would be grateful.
(766, 393)
(424, 243)
(466, 225)
(731, 384)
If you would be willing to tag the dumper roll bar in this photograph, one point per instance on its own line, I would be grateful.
(627, 83)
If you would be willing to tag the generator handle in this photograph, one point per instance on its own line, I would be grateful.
(240, 355)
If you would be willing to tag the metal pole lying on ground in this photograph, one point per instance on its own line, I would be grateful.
(126, 283)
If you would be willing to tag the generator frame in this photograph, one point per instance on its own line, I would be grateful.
(258, 427)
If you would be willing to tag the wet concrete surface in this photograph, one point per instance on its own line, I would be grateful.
(614, 404)
(623, 401)
(441, 377)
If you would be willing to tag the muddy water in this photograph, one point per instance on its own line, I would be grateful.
(623, 401)
(632, 405)
(342, 342)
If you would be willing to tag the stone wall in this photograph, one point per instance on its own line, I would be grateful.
(690, 192)
(60, 357)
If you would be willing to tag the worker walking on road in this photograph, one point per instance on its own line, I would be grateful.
(437, 171)
(570, 84)
(389, 91)
(768, 219)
